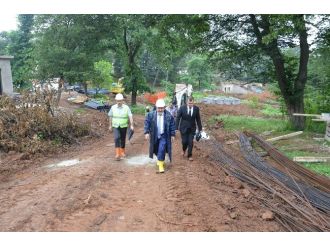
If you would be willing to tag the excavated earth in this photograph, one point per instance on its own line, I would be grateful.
(85, 189)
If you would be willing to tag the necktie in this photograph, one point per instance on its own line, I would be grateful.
(189, 111)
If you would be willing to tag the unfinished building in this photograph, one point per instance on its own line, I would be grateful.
(6, 80)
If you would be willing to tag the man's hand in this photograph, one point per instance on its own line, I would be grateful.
(110, 128)
(132, 127)
(147, 137)
(173, 138)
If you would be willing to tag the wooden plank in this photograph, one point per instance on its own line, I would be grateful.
(318, 120)
(327, 132)
(306, 115)
(285, 136)
(311, 159)
(232, 142)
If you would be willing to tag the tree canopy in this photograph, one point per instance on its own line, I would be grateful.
(289, 50)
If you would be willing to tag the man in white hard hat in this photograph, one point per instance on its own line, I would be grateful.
(159, 129)
(119, 115)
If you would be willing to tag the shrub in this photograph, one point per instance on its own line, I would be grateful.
(32, 126)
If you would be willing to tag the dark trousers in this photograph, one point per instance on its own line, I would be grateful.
(160, 148)
(187, 139)
(120, 136)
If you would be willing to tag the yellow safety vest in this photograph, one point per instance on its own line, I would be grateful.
(120, 118)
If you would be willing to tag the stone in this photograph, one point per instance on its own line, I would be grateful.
(246, 192)
(233, 215)
(228, 180)
(268, 215)
(238, 185)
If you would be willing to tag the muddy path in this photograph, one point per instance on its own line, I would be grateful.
(97, 193)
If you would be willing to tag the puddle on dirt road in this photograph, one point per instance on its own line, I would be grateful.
(64, 163)
(142, 160)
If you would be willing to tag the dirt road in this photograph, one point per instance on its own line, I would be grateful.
(97, 193)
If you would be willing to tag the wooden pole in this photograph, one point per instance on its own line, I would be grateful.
(327, 132)
(306, 115)
(284, 136)
(311, 159)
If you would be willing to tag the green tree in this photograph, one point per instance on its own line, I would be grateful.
(102, 74)
(270, 35)
(21, 48)
(67, 46)
(4, 43)
(199, 70)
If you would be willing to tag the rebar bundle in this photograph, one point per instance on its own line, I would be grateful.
(314, 179)
(316, 197)
(291, 208)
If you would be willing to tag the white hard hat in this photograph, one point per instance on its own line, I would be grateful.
(160, 103)
(119, 96)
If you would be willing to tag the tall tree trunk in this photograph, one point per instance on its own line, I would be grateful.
(297, 106)
(134, 91)
(155, 80)
(117, 66)
(292, 91)
(59, 91)
(85, 87)
(133, 74)
(132, 49)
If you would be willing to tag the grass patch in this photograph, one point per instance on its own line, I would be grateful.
(101, 97)
(271, 111)
(199, 95)
(321, 167)
(252, 102)
(254, 124)
(80, 110)
(138, 109)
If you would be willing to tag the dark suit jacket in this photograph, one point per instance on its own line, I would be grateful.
(185, 122)
(150, 127)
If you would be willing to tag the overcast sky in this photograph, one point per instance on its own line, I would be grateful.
(8, 21)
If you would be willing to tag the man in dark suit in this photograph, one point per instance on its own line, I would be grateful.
(187, 118)
(159, 129)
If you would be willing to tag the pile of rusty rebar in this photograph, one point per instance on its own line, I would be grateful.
(314, 179)
(298, 204)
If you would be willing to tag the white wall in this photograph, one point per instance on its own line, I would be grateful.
(6, 77)
(233, 88)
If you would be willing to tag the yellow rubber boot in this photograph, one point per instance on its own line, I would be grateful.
(122, 152)
(117, 157)
(160, 166)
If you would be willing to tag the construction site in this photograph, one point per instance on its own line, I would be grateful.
(237, 182)
(166, 124)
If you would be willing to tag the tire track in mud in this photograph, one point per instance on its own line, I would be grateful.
(100, 194)
(186, 213)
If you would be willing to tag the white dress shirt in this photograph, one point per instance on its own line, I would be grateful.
(160, 124)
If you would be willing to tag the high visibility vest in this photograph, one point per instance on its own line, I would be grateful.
(120, 117)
